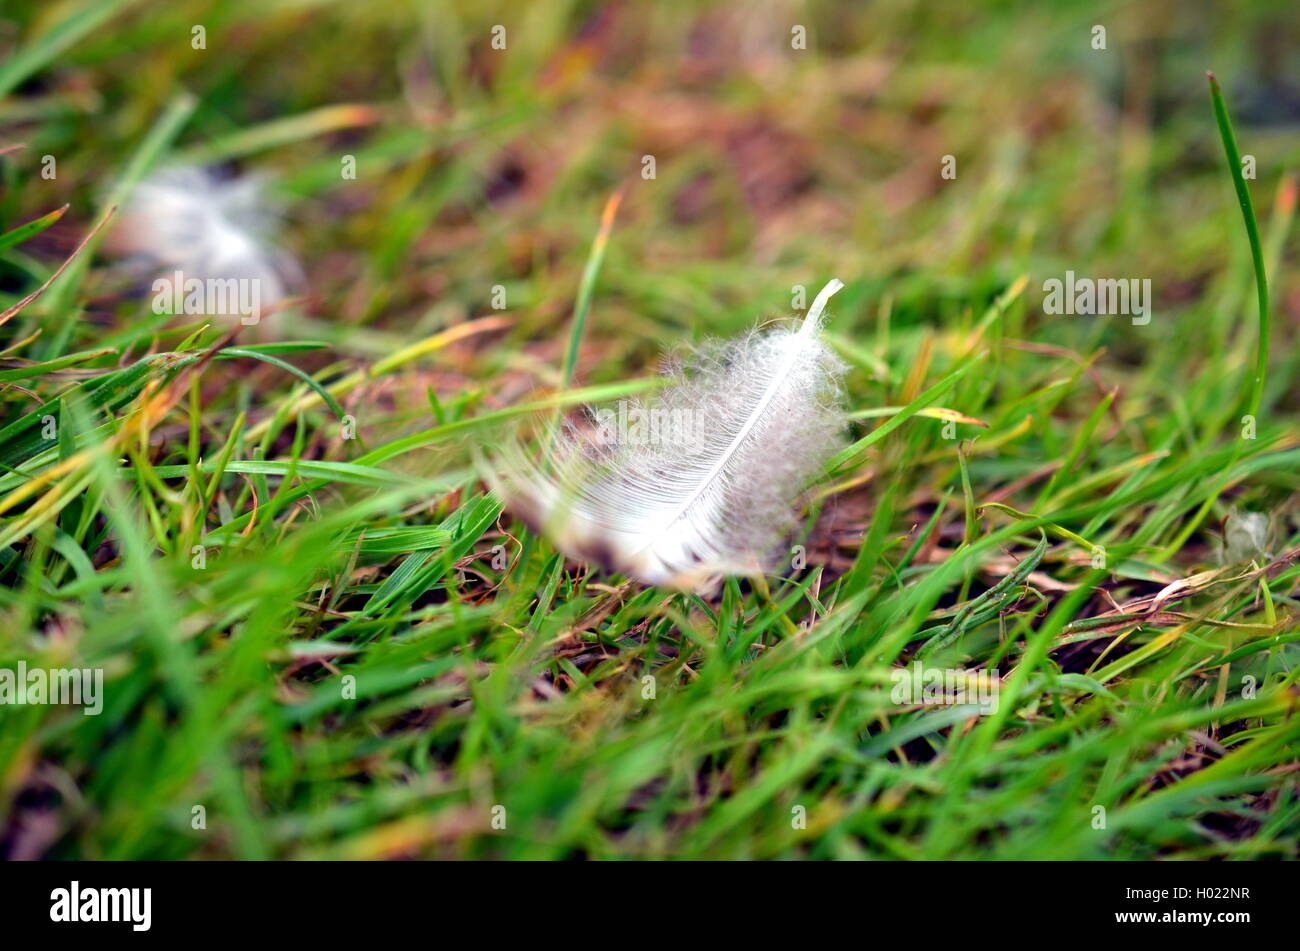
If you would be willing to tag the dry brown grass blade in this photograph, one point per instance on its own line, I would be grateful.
(62, 267)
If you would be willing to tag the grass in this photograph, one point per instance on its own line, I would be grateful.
(325, 647)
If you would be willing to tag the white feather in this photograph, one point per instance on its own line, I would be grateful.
(764, 415)
(191, 220)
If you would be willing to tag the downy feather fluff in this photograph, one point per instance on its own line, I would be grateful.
(208, 227)
(711, 498)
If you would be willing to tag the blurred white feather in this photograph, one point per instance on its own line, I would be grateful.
(192, 220)
(681, 512)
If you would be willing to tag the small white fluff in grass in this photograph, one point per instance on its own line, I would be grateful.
(714, 498)
(192, 220)
(1247, 536)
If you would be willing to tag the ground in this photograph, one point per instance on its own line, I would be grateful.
(319, 634)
